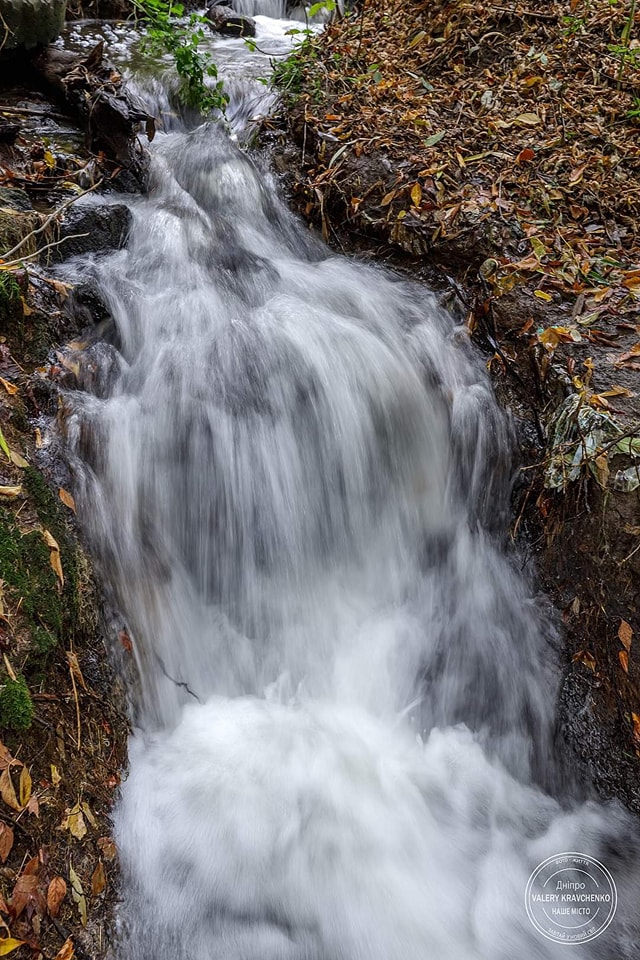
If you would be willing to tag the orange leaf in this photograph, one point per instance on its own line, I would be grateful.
(526, 155)
(625, 634)
(9, 387)
(67, 499)
(623, 657)
(98, 880)
(67, 951)
(583, 656)
(55, 895)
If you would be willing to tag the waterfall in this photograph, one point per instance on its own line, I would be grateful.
(295, 478)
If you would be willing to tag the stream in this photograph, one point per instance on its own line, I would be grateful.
(295, 479)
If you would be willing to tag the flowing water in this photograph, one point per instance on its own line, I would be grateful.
(295, 477)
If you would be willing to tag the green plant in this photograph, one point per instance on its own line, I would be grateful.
(16, 706)
(166, 34)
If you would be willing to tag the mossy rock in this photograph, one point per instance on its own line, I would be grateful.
(16, 705)
(32, 23)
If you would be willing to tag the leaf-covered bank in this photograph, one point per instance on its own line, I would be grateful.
(493, 149)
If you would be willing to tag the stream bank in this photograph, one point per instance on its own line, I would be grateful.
(493, 153)
(63, 711)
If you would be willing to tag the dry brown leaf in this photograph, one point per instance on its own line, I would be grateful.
(588, 659)
(6, 760)
(625, 634)
(67, 499)
(9, 387)
(33, 807)
(74, 666)
(98, 880)
(26, 894)
(6, 841)
(623, 657)
(55, 895)
(67, 951)
(74, 822)
(107, 848)
(7, 791)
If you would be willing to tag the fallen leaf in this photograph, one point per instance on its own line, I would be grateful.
(388, 197)
(635, 718)
(107, 848)
(7, 791)
(8, 945)
(67, 499)
(586, 658)
(528, 119)
(55, 895)
(74, 666)
(89, 815)
(6, 760)
(25, 787)
(11, 492)
(78, 895)
(33, 807)
(27, 896)
(54, 556)
(19, 460)
(6, 841)
(9, 387)
(4, 446)
(526, 155)
(55, 775)
(543, 295)
(67, 951)
(434, 138)
(623, 657)
(98, 880)
(625, 634)
(416, 194)
(74, 822)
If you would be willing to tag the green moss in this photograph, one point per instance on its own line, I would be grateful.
(25, 567)
(16, 706)
(10, 306)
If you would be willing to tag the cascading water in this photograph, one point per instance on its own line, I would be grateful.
(295, 476)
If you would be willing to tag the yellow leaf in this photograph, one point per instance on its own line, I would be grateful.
(26, 309)
(419, 37)
(67, 499)
(55, 776)
(49, 159)
(25, 787)
(416, 194)
(19, 460)
(7, 791)
(625, 634)
(54, 556)
(76, 824)
(11, 492)
(38, 438)
(8, 945)
(9, 387)
(543, 295)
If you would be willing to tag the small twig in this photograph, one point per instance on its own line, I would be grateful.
(48, 246)
(50, 219)
(30, 112)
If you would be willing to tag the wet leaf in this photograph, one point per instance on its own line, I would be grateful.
(6, 841)
(625, 634)
(25, 787)
(98, 880)
(56, 893)
(67, 499)
(623, 657)
(7, 791)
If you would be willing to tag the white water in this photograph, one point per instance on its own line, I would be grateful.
(295, 477)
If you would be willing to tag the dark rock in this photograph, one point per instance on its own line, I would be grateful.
(92, 228)
(31, 24)
(15, 199)
(229, 22)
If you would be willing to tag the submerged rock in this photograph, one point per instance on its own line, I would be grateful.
(224, 19)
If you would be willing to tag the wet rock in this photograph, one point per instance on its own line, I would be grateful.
(31, 23)
(15, 199)
(229, 22)
(92, 228)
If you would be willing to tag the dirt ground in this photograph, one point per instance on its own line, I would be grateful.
(492, 150)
